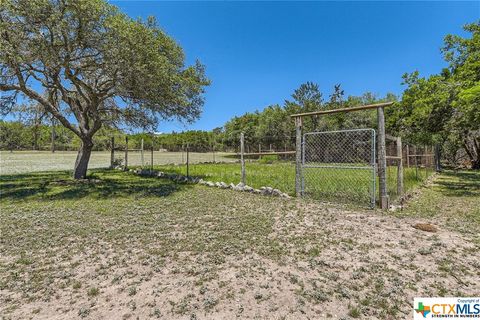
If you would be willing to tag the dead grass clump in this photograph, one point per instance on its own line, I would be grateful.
(425, 227)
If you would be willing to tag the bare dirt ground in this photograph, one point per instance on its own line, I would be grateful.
(133, 248)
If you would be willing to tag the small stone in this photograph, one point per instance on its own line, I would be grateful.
(395, 207)
(231, 186)
(276, 192)
(210, 184)
(248, 189)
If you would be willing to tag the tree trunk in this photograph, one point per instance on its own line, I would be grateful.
(476, 164)
(473, 154)
(83, 156)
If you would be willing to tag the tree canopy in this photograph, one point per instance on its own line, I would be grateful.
(85, 59)
(445, 107)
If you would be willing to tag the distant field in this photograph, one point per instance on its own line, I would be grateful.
(34, 161)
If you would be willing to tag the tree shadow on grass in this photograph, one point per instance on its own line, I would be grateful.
(459, 184)
(101, 184)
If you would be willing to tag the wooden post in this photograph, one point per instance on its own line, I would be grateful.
(141, 153)
(416, 161)
(382, 160)
(242, 159)
(399, 167)
(126, 153)
(298, 159)
(438, 167)
(408, 156)
(112, 151)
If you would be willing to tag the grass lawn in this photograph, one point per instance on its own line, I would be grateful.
(354, 186)
(346, 185)
(126, 247)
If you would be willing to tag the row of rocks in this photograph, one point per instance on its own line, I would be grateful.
(267, 191)
(165, 175)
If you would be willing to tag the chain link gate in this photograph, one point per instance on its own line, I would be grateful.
(339, 166)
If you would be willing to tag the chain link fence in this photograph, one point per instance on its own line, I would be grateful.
(417, 162)
(270, 162)
(339, 165)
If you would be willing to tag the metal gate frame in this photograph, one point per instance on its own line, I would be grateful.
(372, 167)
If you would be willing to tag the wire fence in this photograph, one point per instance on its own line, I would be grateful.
(416, 166)
(339, 165)
(270, 162)
(335, 165)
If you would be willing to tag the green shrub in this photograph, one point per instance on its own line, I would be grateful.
(268, 159)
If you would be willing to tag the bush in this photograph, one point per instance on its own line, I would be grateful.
(268, 159)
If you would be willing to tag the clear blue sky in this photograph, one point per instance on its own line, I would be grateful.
(257, 53)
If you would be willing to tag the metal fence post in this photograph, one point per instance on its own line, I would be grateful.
(399, 167)
(112, 151)
(213, 149)
(141, 153)
(188, 162)
(183, 153)
(151, 157)
(298, 158)
(242, 158)
(382, 160)
(126, 152)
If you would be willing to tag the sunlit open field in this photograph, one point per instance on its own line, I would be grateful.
(35, 161)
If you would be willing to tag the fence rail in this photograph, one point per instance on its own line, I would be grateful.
(335, 163)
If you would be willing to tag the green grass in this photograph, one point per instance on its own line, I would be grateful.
(85, 210)
(75, 248)
(346, 185)
(455, 196)
(351, 186)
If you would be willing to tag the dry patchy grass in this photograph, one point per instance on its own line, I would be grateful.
(130, 247)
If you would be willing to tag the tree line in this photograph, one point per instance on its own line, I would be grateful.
(91, 72)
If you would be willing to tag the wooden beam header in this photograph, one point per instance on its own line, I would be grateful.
(365, 107)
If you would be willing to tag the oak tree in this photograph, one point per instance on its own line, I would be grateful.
(88, 65)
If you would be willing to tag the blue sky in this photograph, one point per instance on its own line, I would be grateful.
(257, 53)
